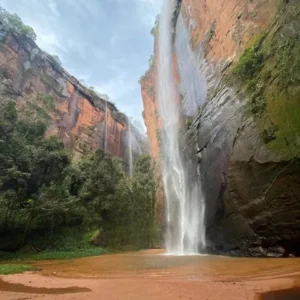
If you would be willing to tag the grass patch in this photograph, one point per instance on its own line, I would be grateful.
(68, 243)
(52, 254)
(7, 269)
(249, 63)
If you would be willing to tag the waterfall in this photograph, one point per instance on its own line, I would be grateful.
(105, 132)
(185, 206)
(130, 150)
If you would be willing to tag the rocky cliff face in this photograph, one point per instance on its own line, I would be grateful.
(239, 81)
(150, 113)
(45, 92)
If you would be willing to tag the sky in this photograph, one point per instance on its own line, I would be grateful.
(104, 43)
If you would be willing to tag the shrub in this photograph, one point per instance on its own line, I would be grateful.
(151, 91)
(155, 28)
(57, 59)
(48, 101)
(249, 63)
(14, 23)
(142, 79)
(188, 124)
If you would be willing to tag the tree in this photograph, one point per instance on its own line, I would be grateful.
(57, 59)
(41, 190)
(121, 206)
(14, 164)
(31, 170)
(132, 219)
(48, 198)
(144, 190)
(94, 180)
(155, 28)
(13, 22)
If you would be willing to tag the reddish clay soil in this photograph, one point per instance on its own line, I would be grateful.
(148, 275)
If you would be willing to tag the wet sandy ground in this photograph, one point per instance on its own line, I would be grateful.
(151, 275)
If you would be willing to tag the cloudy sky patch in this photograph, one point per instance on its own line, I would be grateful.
(106, 43)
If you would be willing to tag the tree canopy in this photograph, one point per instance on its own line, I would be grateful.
(13, 22)
(43, 191)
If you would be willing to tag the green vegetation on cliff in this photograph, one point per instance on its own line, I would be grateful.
(14, 23)
(269, 72)
(48, 202)
(155, 28)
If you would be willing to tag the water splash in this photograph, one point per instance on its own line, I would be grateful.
(130, 150)
(185, 216)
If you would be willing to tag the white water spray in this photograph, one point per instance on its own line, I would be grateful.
(185, 205)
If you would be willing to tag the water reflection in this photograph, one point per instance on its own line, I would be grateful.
(152, 264)
(20, 288)
(288, 294)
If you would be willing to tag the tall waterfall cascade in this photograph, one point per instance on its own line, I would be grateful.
(185, 204)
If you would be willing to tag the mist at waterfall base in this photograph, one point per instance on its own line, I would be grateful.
(185, 232)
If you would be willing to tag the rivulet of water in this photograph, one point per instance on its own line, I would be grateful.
(185, 205)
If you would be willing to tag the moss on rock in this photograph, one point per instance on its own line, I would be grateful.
(269, 72)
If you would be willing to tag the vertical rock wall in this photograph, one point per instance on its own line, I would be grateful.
(232, 132)
(45, 91)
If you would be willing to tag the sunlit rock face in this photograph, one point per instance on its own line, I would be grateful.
(227, 26)
(250, 190)
(150, 113)
(153, 124)
(193, 83)
(45, 91)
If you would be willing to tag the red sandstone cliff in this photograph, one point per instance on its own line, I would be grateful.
(153, 124)
(150, 114)
(243, 133)
(227, 25)
(46, 92)
(225, 28)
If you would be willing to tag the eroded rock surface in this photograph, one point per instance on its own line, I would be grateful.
(240, 132)
(44, 91)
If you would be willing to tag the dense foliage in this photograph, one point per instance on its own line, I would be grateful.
(250, 62)
(14, 23)
(43, 193)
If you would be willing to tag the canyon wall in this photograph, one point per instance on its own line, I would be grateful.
(45, 92)
(238, 75)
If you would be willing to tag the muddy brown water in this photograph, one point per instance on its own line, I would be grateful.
(286, 294)
(21, 288)
(155, 264)
(158, 271)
